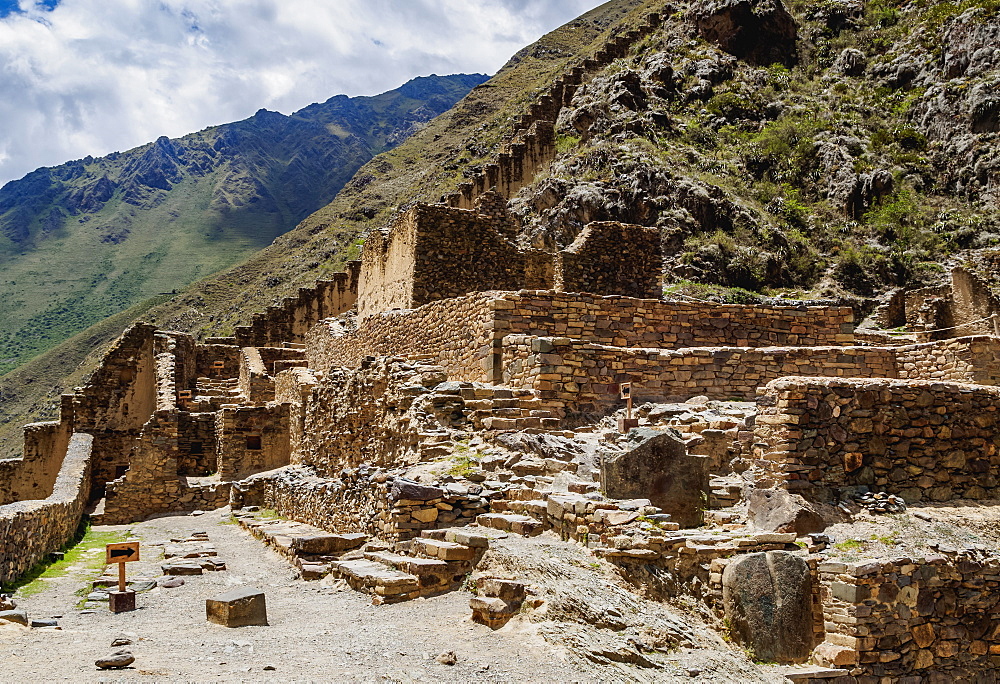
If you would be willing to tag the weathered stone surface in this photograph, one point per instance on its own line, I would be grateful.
(768, 605)
(18, 616)
(404, 489)
(116, 660)
(241, 607)
(780, 511)
(759, 31)
(657, 466)
(121, 601)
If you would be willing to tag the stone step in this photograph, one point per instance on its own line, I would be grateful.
(518, 524)
(385, 584)
(443, 550)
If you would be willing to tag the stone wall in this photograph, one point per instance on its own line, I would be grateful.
(196, 444)
(34, 474)
(932, 618)
(360, 500)
(925, 441)
(153, 483)
(293, 388)
(611, 258)
(30, 530)
(586, 376)
(356, 416)
(217, 361)
(251, 439)
(434, 252)
(115, 402)
(963, 359)
(457, 332)
(464, 334)
(290, 320)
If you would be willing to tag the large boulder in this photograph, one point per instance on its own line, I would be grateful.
(760, 32)
(768, 603)
(656, 465)
(776, 510)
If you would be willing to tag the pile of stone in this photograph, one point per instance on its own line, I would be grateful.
(192, 555)
(881, 502)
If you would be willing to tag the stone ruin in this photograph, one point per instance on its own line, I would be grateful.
(453, 381)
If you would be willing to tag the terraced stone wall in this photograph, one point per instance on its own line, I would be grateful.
(931, 618)
(464, 334)
(922, 440)
(29, 530)
(290, 319)
(586, 376)
(964, 359)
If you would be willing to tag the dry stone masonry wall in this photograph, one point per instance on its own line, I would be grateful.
(30, 530)
(925, 441)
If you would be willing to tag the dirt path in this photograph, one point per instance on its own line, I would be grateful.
(316, 633)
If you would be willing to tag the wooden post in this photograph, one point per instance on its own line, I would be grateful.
(121, 577)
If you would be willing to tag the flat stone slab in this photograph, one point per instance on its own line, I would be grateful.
(18, 616)
(182, 568)
(321, 543)
(241, 607)
(409, 564)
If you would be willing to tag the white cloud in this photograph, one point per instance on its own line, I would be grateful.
(94, 76)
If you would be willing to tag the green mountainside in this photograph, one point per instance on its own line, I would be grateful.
(815, 149)
(93, 237)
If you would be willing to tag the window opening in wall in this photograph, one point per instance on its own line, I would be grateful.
(196, 449)
(120, 470)
(253, 442)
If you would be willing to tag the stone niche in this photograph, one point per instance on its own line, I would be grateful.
(656, 465)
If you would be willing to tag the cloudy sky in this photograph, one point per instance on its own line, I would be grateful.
(81, 77)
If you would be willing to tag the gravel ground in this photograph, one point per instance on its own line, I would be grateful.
(323, 632)
(316, 633)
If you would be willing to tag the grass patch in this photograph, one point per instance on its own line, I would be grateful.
(850, 545)
(85, 540)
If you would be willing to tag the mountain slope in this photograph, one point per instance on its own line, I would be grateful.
(90, 238)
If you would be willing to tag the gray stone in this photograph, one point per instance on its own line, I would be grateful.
(18, 616)
(768, 604)
(760, 32)
(45, 622)
(116, 660)
(328, 543)
(777, 510)
(656, 466)
(170, 582)
(405, 489)
(237, 608)
(121, 641)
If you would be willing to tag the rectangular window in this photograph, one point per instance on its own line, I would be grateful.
(253, 442)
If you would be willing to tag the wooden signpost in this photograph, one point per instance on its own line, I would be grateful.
(123, 600)
(628, 422)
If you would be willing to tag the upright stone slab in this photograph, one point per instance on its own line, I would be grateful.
(657, 466)
(237, 608)
(768, 602)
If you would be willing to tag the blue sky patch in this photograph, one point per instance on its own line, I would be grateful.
(10, 6)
